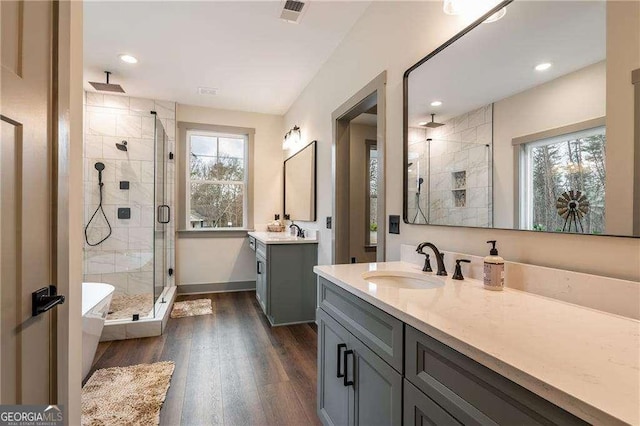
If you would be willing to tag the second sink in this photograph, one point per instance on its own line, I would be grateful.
(403, 279)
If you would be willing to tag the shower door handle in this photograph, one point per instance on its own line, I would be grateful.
(164, 208)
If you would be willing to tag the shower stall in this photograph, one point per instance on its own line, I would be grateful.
(128, 211)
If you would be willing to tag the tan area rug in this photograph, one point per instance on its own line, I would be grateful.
(191, 308)
(126, 395)
(123, 306)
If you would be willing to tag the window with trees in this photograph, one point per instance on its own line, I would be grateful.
(217, 180)
(560, 173)
(371, 207)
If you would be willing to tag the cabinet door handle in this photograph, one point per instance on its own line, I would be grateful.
(340, 347)
(347, 382)
(259, 269)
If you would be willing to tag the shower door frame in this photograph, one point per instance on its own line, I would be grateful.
(162, 210)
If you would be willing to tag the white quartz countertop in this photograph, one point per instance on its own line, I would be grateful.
(583, 360)
(281, 238)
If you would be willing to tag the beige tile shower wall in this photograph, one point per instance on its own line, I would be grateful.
(455, 163)
(125, 259)
(392, 36)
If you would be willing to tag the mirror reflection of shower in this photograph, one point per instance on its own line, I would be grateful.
(449, 180)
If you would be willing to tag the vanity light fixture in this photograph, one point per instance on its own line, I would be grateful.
(436, 103)
(543, 67)
(129, 59)
(292, 137)
(473, 9)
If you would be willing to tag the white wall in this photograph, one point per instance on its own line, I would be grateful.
(221, 260)
(623, 56)
(570, 99)
(392, 37)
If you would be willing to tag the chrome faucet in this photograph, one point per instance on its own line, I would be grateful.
(299, 231)
(439, 258)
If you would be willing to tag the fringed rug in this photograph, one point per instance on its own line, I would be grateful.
(126, 395)
(191, 308)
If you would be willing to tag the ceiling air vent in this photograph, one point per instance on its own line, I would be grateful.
(207, 91)
(292, 10)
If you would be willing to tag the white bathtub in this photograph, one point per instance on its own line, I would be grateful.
(96, 298)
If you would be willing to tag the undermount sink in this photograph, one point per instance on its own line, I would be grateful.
(403, 279)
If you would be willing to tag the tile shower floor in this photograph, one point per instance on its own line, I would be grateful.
(124, 306)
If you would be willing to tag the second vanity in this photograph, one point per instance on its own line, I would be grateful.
(285, 283)
(400, 346)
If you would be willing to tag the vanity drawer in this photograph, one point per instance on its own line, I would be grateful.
(261, 249)
(381, 332)
(471, 392)
(252, 243)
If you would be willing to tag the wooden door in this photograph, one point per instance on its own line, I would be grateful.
(26, 213)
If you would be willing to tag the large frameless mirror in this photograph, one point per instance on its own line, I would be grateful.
(527, 123)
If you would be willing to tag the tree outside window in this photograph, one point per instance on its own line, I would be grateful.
(217, 180)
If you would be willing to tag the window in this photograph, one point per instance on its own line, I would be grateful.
(217, 180)
(371, 234)
(562, 183)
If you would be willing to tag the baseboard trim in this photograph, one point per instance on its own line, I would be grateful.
(216, 287)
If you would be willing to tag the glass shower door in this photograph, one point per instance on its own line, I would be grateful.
(162, 210)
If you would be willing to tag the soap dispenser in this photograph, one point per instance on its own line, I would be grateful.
(493, 269)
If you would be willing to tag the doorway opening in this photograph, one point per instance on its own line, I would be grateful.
(358, 231)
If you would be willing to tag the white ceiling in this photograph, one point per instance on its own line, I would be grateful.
(256, 61)
(496, 60)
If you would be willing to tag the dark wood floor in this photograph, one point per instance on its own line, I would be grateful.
(232, 368)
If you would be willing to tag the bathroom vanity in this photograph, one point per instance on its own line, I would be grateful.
(285, 282)
(400, 346)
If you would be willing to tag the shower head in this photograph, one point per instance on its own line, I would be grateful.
(122, 146)
(410, 164)
(107, 87)
(420, 182)
(432, 124)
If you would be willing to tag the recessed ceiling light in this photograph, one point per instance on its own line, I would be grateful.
(423, 123)
(129, 59)
(543, 67)
(436, 103)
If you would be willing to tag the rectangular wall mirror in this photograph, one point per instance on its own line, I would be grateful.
(300, 184)
(526, 123)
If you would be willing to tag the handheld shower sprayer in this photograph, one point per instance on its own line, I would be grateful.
(100, 168)
(420, 182)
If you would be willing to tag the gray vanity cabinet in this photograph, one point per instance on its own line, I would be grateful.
(400, 375)
(285, 282)
(333, 396)
(471, 392)
(355, 386)
(420, 410)
(261, 282)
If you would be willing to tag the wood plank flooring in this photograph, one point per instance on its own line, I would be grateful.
(232, 368)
